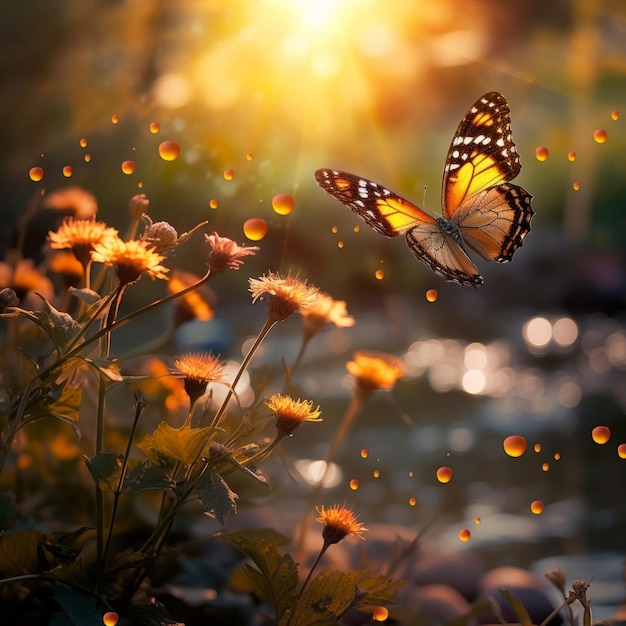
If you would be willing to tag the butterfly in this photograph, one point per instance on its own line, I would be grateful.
(481, 210)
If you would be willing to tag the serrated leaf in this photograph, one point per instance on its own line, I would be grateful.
(140, 475)
(277, 575)
(218, 500)
(184, 444)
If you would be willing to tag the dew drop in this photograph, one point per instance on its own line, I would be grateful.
(600, 135)
(283, 203)
(68, 170)
(128, 167)
(431, 295)
(169, 150)
(571, 156)
(621, 451)
(365, 453)
(380, 614)
(155, 127)
(213, 203)
(87, 158)
(545, 467)
(115, 119)
(255, 228)
(576, 186)
(379, 274)
(249, 156)
(444, 474)
(615, 115)
(83, 142)
(514, 445)
(229, 174)
(537, 448)
(542, 153)
(354, 484)
(340, 244)
(110, 619)
(412, 501)
(601, 434)
(536, 506)
(35, 173)
(465, 534)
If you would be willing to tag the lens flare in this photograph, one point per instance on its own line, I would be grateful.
(255, 228)
(515, 445)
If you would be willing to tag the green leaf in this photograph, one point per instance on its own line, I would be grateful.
(276, 577)
(140, 476)
(218, 500)
(518, 608)
(184, 444)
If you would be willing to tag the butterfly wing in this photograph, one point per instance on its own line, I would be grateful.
(381, 209)
(390, 215)
(493, 216)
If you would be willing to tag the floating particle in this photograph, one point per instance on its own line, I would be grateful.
(110, 619)
(412, 501)
(87, 158)
(465, 534)
(340, 244)
(354, 484)
(35, 173)
(68, 170)
(128, 167)
(334, 230)
(255, 228)
(169, 150)
(376, 473)
(356, 228)
(379, 274)
(571, 156)
(576, 186)
(283, 203)
(545, 467)
(213, 203)
(229, 174)
(444, 474)
(601, 434)
(140, 185)
(615, 115)
(600, 135)
(249, 156)
(536, 506)
(155, 127)
(83, 142)
(542, 153)
(477, 521)
(380, 614)
(514, 445)
(431, 295)
(537, 448)
(621, 451)
(557, 456)
(115, 119)
(411, 474)
(364, 453)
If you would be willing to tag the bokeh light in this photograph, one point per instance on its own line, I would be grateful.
(536, 506)
(542, 153)
(380, 614)
(431, 295)
(169, 150)
(465, 534)
(68, 170)
(36, 174)
(283, 203)
(444, 474)
(600, 135)
(601, 434)
(229, 174)
(515, 445)
(255, 228)
(128, 167)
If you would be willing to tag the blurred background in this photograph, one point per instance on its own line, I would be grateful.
(274, 89)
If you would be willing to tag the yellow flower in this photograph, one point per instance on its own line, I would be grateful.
(131, 259)
(81, 236)
(291, 413)
(323, 311)
(339, 522)
(374, 370)
(286, 295)
(226, 254)
(26, 280)
(198, 370)
(75, 199)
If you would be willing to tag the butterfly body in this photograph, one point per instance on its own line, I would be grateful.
(481, 210)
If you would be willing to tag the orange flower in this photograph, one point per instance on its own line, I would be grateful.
(374, 370)
(131, 259)
(286, 295)
(80, 236)
(80, 202)
(226, 254)
(198, 370)
(196, 304)
(339, 522)
(291, 413)
(323, 311)
(25, 279)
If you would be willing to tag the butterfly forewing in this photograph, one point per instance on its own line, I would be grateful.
(482, 153)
